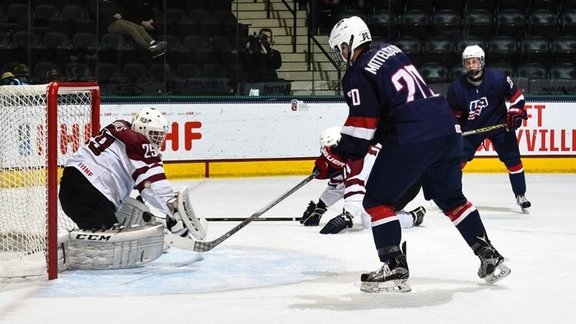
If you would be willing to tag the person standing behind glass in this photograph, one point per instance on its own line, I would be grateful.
(260, 60)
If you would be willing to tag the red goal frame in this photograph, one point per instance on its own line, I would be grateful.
(54, 89)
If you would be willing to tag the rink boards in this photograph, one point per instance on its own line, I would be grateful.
(261, 136)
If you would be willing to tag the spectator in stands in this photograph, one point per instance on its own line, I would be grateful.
(260, 60)
(8, 78)
(22, 73)
(52, 75)
(19, 74)
(131, 18)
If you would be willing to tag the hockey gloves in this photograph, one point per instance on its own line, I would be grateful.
(328, 163)
(337, 224)
(312, 215)
(514, 118)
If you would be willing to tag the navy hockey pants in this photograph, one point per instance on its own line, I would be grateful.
(437, 163)
(505, 143)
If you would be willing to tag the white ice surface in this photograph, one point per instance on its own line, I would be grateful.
(283, 272)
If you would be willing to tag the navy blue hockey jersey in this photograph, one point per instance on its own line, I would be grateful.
(486, 104)
(390, 103)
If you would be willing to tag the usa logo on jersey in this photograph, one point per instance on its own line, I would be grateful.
(476, 107)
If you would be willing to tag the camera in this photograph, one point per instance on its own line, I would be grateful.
(255, 43)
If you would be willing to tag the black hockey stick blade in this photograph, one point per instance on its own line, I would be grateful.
(201, 246)
(483, 129)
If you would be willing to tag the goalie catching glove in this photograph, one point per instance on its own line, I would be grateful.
(328, 163)
(514, 118)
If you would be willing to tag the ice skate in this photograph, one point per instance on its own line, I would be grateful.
(523, 203)
(392, 276)
(312, 215)
(492, 267)
(418, 215)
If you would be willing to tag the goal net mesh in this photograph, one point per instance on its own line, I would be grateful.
(24, 169)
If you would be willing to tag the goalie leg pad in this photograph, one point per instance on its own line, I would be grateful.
(133, 212)
(196, 225)
(116, 248)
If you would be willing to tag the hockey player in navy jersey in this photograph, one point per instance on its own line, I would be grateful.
(390, 103)
(484, 97)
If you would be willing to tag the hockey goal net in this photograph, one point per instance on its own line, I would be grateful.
(41, 126)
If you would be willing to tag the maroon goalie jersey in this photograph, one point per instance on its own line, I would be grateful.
(118, 160)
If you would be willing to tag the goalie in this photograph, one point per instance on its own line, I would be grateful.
(97, 181)
(349, 185)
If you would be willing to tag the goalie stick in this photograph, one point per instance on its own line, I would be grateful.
(483, 129)
(207, 246)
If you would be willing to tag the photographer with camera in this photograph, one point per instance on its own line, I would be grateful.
(260, 60)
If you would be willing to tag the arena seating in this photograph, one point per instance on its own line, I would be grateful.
(528, 38)
(63, 36)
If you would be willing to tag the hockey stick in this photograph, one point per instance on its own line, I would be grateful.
(200, 246)
(483, 129)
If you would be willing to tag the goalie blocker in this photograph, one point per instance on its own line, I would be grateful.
(182, 211)
(185, 212)
(183, 225)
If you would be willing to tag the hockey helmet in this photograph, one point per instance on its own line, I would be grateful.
(330, 136)
(152, 124)
(473, 51)
(352, 32)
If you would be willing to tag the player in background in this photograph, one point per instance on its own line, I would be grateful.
(352, 191)
(484, 97)
(99, 178)
(391, 104)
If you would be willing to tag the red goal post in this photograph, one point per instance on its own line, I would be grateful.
(42, 125)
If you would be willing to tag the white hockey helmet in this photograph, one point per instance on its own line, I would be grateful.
(152, 124)
(330, 136)
(351, 31)
(473, 51)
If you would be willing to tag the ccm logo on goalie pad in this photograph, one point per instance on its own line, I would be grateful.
(92, 237)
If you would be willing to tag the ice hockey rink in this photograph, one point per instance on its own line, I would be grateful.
(283, 272)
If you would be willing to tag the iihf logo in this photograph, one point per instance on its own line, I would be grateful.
(476, 107)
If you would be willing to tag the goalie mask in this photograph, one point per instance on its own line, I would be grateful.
(346, 36)
(330, 136)
(473, 61)
(152, 124)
